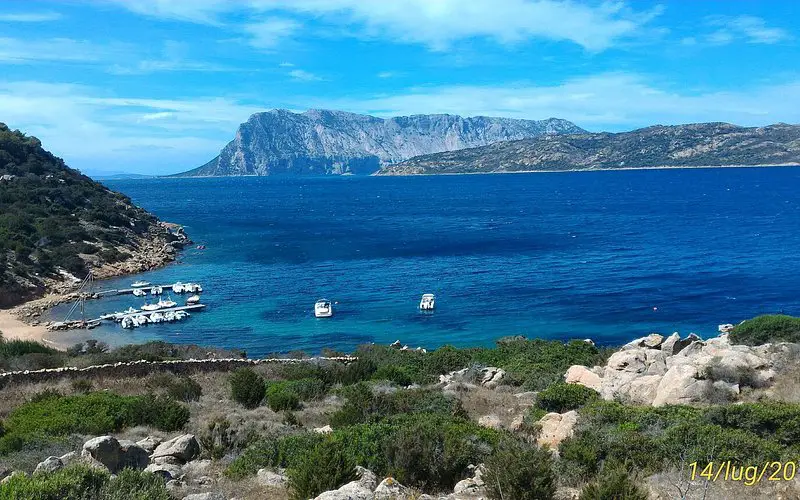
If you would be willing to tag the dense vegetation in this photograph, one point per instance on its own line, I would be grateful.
(50, 215)
(84, 482)
(50, 415)
(767, 328)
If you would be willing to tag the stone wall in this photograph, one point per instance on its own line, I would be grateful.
(142, 368)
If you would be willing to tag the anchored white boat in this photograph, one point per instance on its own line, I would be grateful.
(139, 292)
(323, 308)
(428, 302)
(194, 299)
(156, 290)
(140, 283)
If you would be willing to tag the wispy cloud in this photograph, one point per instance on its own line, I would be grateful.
(617, 101)
(268, 33)
(436, 24)
(15, 50)
(306, 76)
(749, 29)
(286, 65)
(91, 129)
(29, 17)
(387, 74)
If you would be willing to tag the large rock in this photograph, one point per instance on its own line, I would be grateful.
(362, 488)
(556, 427)
(49, 464)
(492, 377)
(471, 486)
(183, 448)
(167, 471)
(267, 477)
(577, 374)
(490, 421)
(209, 495)
(105, 450)
(149, 444)
(390, 489)
(132, 455)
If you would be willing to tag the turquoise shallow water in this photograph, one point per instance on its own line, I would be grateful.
(561, 255)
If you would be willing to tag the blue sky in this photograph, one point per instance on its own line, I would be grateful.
(159, 86)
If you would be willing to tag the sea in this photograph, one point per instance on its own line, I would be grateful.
(604, 255)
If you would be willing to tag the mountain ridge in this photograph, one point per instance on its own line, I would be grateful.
(657, 146)
(331, 142)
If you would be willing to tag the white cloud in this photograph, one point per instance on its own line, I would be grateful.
(286, 65)
(29, 17)
(386, 74)
(616, 101)
(268, 33)
(747, 28)
(14, 50)
(302, 75)
(434, 23)
(95, 131)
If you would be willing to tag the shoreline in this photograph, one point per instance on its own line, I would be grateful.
(21, 322)
(538, 171)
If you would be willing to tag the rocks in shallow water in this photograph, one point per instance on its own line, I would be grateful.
(556, 427)
(267, 477)
(49, 464)
(660, 371)
(184, 448)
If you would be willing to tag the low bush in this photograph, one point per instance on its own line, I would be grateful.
(362, 405)
(94, 413)
(82, 385)
(184, 389)
(561, 397)
(520, 471)
(422, 450)
(767, 329)
(280, 397)
(323, 468)
(614, 483)
(79, 482)
(247, 387)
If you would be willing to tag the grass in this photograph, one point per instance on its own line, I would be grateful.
(767, 329)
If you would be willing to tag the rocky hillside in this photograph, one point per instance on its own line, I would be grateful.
(695, 145)
(321, 142)
(56, 224)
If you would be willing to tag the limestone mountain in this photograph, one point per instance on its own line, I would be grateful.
(56, 222)
(320, 142)
(694, 145)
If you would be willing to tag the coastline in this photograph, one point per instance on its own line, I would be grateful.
(155, 250)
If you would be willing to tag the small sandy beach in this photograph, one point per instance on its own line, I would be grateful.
(14, 328)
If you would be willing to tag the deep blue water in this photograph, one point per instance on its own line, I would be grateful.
(561, 255)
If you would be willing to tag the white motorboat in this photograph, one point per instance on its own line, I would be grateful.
(194, 299)
(428, 302)
(178, 287)
(139, 292)
(323, 308)
(127, 322)
(167, 303)
(156, 317)
(156, 290)
(136, 284)
(152, 307)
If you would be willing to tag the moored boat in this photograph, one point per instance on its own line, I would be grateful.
(140, 283)
(323, 308)
(428, 302)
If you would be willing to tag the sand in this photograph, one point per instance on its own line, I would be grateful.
(14, 329)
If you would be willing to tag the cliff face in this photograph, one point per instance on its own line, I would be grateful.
(701, 144)
(56, 223)
(321, 142)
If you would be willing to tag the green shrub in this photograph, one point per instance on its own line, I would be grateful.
(130, 484)
(80, 482)
(247, 387)
(323, 468)
(272, 451)
(520, 471)
(563, 397)
(94, 413)
(75, 482)
(397, 374)
(613, 484)
(362, 405)
(446, 359)
(280, 397)
(218, 437)
(767, 329)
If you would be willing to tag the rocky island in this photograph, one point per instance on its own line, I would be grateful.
(693, 145)
(325, 142)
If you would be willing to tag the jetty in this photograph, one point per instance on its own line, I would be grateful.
(147, 288)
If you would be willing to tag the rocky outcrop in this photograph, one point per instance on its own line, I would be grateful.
(692, 145)
(556, 427)
(657, 371)
(116, 455)
(279, 142)
(49, 464)
(272, 479)
(182, 448)
(489, 377)
(362, 488)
